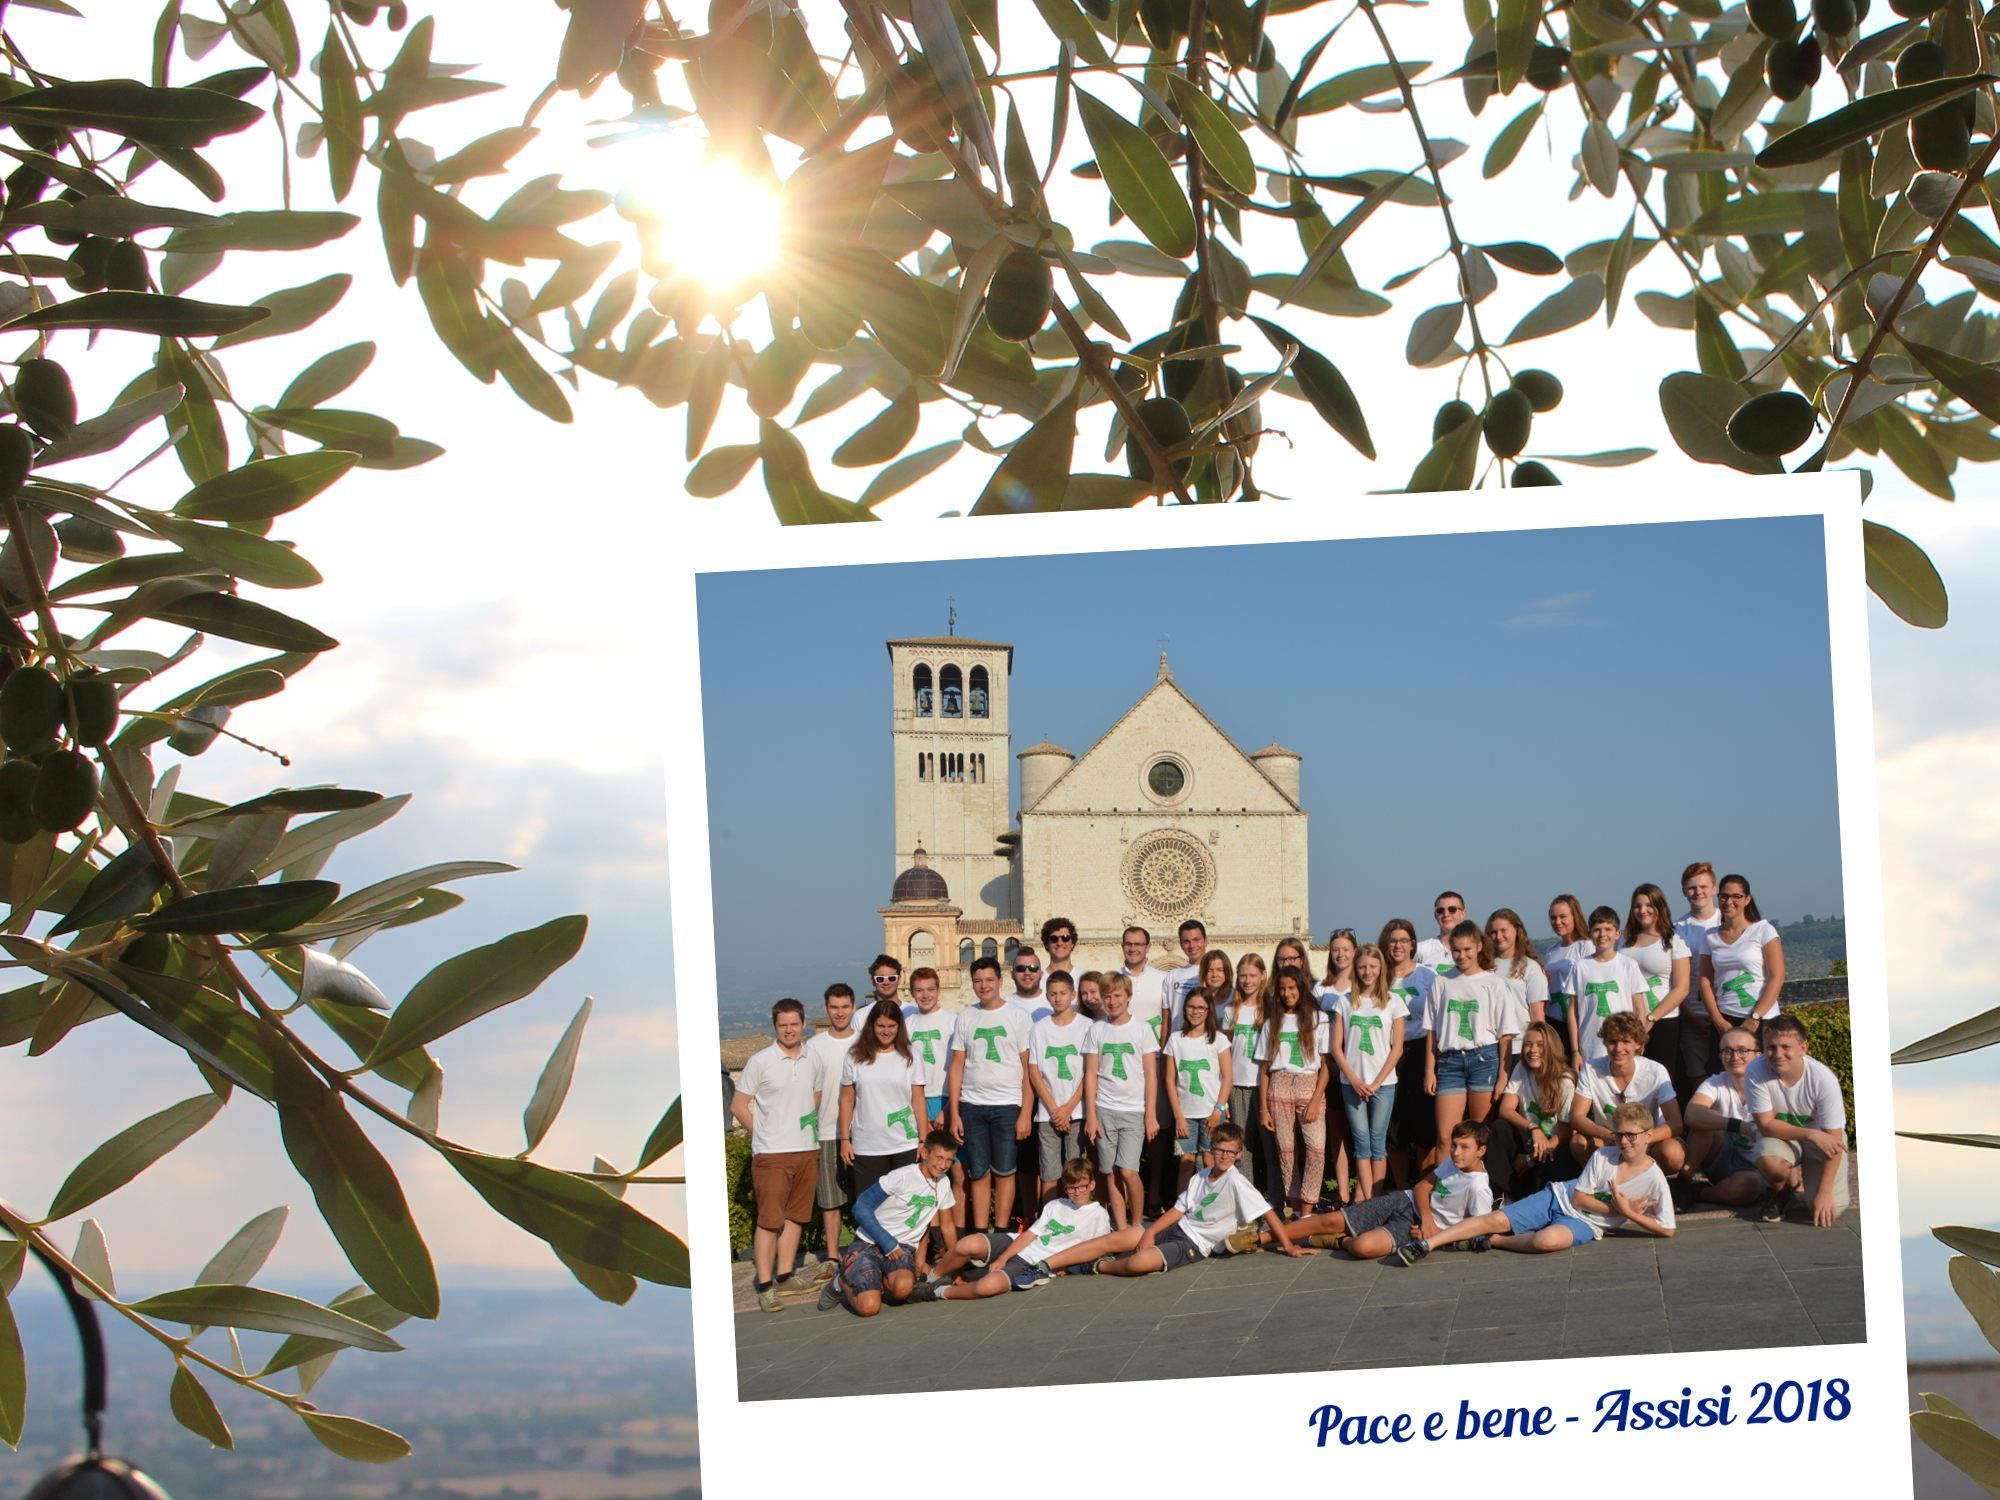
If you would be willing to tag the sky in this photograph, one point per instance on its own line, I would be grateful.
(1507, 714)
(495, 614)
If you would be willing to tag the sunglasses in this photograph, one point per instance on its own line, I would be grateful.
(1027, 968)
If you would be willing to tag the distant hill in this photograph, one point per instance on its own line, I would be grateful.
(1813, 945)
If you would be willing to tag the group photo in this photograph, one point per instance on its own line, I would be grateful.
(1447, 1028)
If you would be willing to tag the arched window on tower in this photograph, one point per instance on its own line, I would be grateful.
(966, 952)
(921, 680)
(989, 949)
(923, 950)
(978, 692)
(951, 688)
(923, 766)
(1013, 947)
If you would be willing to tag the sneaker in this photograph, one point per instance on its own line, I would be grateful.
(1326, 1241)
(767, 1299)
(1034, 1276)
(1409, 1252)
(1477, 1245)
(1774, 1206)
(1097, 1266)
(805, 1278)
(1242, 1241)
(926, 1291)
(829, 1297)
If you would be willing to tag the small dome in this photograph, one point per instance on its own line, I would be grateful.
(1044, 747)
(1274, 751)
(96, 1479)
(920, 882)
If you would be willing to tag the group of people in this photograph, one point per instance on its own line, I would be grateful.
(1142, 1118)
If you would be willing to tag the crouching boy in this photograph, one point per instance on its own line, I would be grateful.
(887, 1254)
(1620, 1184)
(1218, 1208)
(1073, 1232)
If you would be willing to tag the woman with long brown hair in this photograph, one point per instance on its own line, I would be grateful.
(1291, 1057)
(1572, 941)
(1661, 953)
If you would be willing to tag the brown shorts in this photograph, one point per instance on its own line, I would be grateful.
(783, 1182)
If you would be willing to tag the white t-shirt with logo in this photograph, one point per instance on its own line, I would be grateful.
(1368, 1035)
(1531, 988)
(783, 1089)
(1216, 1205)
(994, 1043)
(1650, 1085)
(1543, 1115)
(913, 1201)
(1813, 1102)
(1121, 1052)
(1694, 931)
(1602, 990)
(1435, 953)
(1647, 1192)
(1149, 999)
(1560, 961)
(1058, 1053)
(1196, 1062)
(884, 1121)
(1467, 1011)
(1719, 1095)
(930, 1041)
(1036, 1006)
(1330, 998)
(1064, 1224)
(1739, 969)
(1656, 961)
(1291, 1055)
(1414, 990)
(1456, 1195)
(829, 1052)
(1243, 1047)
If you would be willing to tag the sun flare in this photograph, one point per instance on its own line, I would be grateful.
(702, 216)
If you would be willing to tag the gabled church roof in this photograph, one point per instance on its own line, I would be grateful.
(1166, 684)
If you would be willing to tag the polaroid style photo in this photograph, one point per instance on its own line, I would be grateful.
(1412, 969)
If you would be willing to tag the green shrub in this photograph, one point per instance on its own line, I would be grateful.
(1827, 1032)
(742, 1200)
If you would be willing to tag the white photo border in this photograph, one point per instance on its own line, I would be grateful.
(758, 1446)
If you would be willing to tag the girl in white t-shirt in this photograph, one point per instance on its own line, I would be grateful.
(1661, 953)
(882, 1113)
(1196, 1061)
(1540, 1093)
(1413, 1117)
(1368, 1043)
(1243, 1019)
(1745, 963)
(1516, 961)
(1332, 992)
(1559, 959)
(1467, 1016)
(1339, 980)
(1291, 1053)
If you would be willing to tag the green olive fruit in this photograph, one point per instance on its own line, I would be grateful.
(1548, 67)
(1910, 10)
(17, 801)
(1772, 424)
(25, 185)
(1450, 416)
(1921, 62)
(1164, 22)
(1543, 390)
(151, 951)
(1017, 300)
(91, 709)
(55, 234)
(1835, 17)
(1775, 18)
(17, 457)
(1532, 473)
(1166, 422)
(44, 398)
(31, 706)
(84, 540)
(1810, 60)
(1941, 140)
(1781, 70)
(125, 270)
(90, 265)
(1506, 423)
(65, 791)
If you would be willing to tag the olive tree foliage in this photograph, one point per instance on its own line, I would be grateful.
(131, 898)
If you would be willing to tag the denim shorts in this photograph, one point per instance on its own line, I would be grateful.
(1469, 1071)
(1197, 1139)
(989, 1139)
(1539, 1211)
(1121, 1140)
(1391, 1211)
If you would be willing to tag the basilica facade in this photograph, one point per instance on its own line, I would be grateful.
(1164, 817)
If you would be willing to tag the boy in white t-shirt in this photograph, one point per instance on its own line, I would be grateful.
(887, 1256)
(1801, 1124)
(1071, 1233)
(1623, 1075)
(829, 1049)
(1381, 1226)
(1621, 1184)
(989, 1104)
(1185, 980)
(1056, 1047)
(775, 1101)
(1219, 1202)
(1605, 983)
(1435, 952)
(1722, 1133)
(1121, 1098)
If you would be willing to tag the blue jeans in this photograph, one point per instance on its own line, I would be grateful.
(1368, 1121)
(989, 1139)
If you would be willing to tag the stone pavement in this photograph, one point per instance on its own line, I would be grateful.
(1721, 1283)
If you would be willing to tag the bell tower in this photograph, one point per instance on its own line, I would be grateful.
(949, 750)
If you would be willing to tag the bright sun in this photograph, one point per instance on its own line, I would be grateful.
(702, 214)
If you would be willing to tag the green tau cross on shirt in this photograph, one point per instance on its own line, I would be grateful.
(1117, 1052)
(1200, 1210)
(809, 1120)
(926, 1040)
(1194, 1067)
(1740, 988)
(917, 1206)
(1601, 994)
(1291, 1041)
(1056, 1227)
(1465, 1010)
(906, 1118)
(1062, 1055)
(991, 1036)
(1365, 1028)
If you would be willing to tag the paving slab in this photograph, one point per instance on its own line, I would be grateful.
(1724, 1282)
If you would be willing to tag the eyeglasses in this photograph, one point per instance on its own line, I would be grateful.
(1223, 1153)
(1446, 911)
(1732, 896)
(1739, 1051)
(1628, 1135)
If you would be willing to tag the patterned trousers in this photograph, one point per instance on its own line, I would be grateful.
(1289, 1094)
